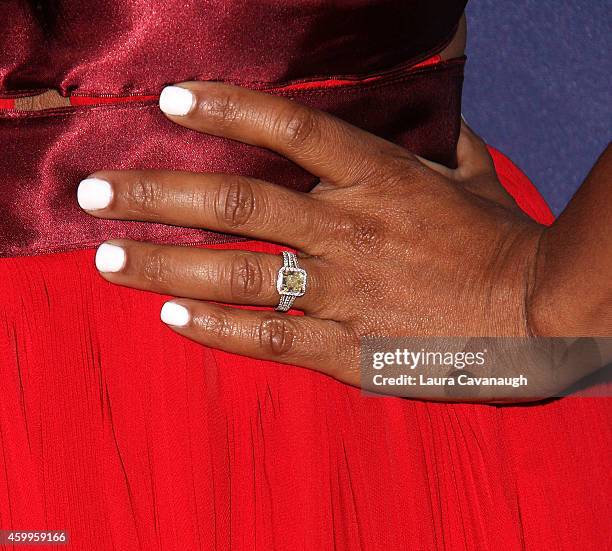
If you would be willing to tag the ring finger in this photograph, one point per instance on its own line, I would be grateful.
(235, 277)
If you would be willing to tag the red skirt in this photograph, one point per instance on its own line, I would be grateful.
(128, 436)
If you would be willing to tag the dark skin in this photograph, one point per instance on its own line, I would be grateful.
(429, 250)
(572, 289)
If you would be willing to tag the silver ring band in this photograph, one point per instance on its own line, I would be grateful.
(291, 281)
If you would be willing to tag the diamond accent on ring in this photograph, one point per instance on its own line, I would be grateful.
(291, 281)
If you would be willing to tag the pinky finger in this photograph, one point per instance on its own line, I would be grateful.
(266, 335)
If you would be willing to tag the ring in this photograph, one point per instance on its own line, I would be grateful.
(291, 281)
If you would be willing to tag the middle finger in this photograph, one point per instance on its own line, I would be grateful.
(219, 202)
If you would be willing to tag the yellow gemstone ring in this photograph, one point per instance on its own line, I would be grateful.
(291, 281)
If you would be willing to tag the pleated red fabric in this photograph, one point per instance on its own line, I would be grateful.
(118, 430)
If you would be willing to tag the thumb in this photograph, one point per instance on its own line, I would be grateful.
(473, 158)
(476, 171)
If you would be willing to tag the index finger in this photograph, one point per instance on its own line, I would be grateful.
(331, 149)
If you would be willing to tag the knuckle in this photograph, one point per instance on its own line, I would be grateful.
(399, 161)
(224, 110)
(246, 276)
(156, 267)
(422, 180)
(236, 203)
(217, 325)
(144, 195)
(277, 336)
(361, 235)
(393, 172)
(299, 127)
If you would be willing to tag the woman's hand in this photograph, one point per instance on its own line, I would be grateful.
(393, 245)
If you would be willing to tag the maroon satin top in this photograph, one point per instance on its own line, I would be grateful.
(135, 47)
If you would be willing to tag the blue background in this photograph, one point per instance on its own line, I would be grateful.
(538, 86)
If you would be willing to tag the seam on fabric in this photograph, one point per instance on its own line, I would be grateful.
(448, 68)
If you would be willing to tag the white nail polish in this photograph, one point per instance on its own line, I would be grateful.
(94, 194)
(175, 314)
(175, 100)
(110, 258)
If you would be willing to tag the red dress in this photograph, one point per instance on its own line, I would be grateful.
(126, 435)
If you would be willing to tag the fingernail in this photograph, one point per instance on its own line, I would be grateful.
(110, 258)
(175, 314)
(175, 100)
(94, 194)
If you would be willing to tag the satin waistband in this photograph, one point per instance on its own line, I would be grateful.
(47, 153)
(135, 47)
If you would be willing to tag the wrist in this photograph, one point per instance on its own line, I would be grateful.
(566, 296)
(571, 292)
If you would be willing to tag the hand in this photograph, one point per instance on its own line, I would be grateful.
(393, 244)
